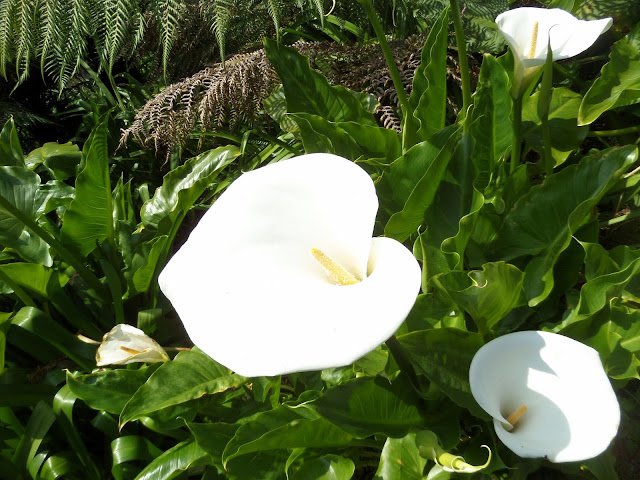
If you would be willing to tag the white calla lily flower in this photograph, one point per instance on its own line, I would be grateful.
(251, 284)
(127, 344)
(548, 394)
(529, 31)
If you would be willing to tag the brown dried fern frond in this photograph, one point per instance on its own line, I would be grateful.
(219, 96)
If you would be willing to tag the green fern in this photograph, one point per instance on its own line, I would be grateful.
(7, 9)
(218, 13)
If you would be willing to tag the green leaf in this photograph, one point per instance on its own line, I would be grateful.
(89, 219)
(570, 194)
(405, 223)
(490, 122)
(40, 422)
(19, 187)
(308, 91)
(328, 467)
(190, 375)
(429, 94)
(108, 390)
(175, 460)
(10, 149)
(284, 427)
(141, 274)
(619, 80)
(5, 322)
(400, 460)
(367, 406)
(444, 355)
(566, 136)
(60, 159)
(487, 295)
(182, 186)
(130, 448)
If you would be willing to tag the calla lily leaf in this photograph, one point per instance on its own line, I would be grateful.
(253, 296)
(529, 31)
(127, 344)
(568, 410)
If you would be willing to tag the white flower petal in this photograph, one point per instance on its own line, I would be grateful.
(572, 414)
(252, 296)
(127, 344)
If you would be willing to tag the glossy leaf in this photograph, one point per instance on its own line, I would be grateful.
(174, 460)
(40, 422)
(619, 80)
(89, 219)
(19, 187)
(400, 460)
(182, 186)
(327, 467)
(528, 229)
(444, 355)
(60, 159)
(10, 149)
(108, 390)
(429, 94)
(366, 406)
(189, 376)
(487, 295)
(130, 448)
(490, 122)
(308, 91)
(284, 427)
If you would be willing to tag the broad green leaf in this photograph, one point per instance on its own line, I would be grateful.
(38, 323)
(52, 195)
(400, 460)
(89, 219)
(213, 438)
(327, 467)
(308, 91)
(182, 186)
(565, 134)
(108, 390)
(405, 223)
(284, 427)
(444, 355)
(144, 263)
(487, 295)
(188, 376)
(619, 80)
(490, 123)
(429, 93)
(570, 194)
(10, 149)
(60, 159)
(130, 448)
(40, 422)
(173, 461)
(19, 187)
(367, 406)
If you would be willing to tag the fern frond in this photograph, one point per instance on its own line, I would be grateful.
(274, 7)
(118, 14)
(219, 14)
(169, 16)
(7, 16)
(25, 36)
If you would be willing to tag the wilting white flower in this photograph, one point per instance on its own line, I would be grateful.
(251, 284)
(126, 344)
(569, 412)
(528, 31)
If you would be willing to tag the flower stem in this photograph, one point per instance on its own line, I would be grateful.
(614, 133)
(402, 359)
(462, 55)
(66, 255)
(409, 131)
(621, 218)
(517, 133)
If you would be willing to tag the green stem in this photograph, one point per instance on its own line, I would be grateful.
(17, 289)
(66, 255)
(621, 218)
(546, 136)
(517, 134)
(402, 359)
(462, 56)
(410, 129)
(614, 133)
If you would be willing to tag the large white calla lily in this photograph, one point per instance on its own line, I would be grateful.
(249, 284)
(529, 31)
(549, 396)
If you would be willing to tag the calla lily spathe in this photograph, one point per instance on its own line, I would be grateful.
(251, 294)
(529, 31)
(572, 413)
(127, 344)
